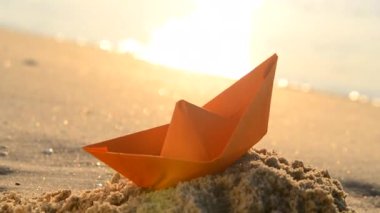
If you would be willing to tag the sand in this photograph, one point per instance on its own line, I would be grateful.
(259, 182)
(56, 97)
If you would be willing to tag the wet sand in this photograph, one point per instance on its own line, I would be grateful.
(57, 96)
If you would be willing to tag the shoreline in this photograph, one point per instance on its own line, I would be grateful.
(281, 82)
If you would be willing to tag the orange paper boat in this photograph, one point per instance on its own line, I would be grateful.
(199, 140)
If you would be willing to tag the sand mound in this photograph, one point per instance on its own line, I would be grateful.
(259, 182)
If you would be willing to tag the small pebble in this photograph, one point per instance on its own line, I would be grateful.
(30, 62)
(297, 173)
(48, 151)
(325, 173)
(283, 160)
(17, 184)
(3, 153)
(297, 164)
(115, 198)
(255, 156)
(262, 151)
(272, 162)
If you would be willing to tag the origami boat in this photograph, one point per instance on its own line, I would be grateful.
(199, 140)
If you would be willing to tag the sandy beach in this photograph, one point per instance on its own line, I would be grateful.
(57, 96)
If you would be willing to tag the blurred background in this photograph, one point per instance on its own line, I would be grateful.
(74, 73)
(324, 45)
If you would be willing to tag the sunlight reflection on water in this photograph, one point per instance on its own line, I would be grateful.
(134, 47)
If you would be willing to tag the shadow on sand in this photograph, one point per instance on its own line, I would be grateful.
(361, 188)
(5, 170)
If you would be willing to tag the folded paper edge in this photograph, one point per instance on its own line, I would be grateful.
(94, 150)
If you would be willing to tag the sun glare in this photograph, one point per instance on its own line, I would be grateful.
(215, 39)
